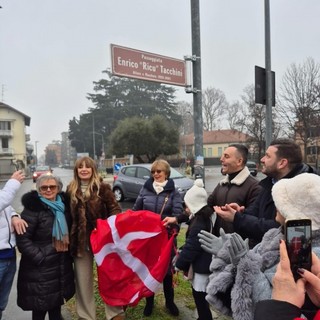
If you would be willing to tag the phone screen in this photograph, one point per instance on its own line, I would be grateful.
(298, 241)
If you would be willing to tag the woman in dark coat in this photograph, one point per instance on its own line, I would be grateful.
(160, 196)
(45, 278)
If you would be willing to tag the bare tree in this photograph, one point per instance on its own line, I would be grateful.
(214, 103)
(235, 117)
(185, 110)
(253, 120)
(299, 99)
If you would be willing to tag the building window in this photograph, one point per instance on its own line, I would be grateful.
(4, 143)
(219, 151)
(204, 152)
(210, 152)
(5, 125)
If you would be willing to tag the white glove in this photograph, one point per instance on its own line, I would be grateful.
(210, 243)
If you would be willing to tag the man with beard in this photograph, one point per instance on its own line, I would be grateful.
(283, 159)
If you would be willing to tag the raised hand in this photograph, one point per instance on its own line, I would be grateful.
(210, 243)
(237, 248)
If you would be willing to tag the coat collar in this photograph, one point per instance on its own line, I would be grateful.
(239, 179)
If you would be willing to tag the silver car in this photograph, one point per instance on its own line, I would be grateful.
(130, 179)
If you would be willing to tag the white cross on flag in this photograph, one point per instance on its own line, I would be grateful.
(132, 252)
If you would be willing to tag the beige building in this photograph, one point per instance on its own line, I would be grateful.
(13, 139)
(214, 142)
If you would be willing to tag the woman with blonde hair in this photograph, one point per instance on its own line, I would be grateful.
(90, 199)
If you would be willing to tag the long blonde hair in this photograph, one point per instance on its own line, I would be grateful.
(74, 188)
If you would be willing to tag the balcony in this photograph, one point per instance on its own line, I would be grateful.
(6, 151)
(6, 133)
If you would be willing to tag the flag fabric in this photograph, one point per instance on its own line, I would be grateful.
(132, 252)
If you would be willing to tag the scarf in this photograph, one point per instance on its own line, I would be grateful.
(60, 234)
(158, 186)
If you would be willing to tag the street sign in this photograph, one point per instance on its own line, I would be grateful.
(261, 86)
(132, 63)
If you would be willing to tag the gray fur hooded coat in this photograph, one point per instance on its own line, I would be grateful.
(249, 282)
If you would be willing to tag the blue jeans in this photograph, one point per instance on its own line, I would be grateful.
(8, 269)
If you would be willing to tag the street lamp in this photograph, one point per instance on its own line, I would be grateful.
(36, 147)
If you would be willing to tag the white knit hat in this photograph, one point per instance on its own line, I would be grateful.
(299, 198)
(196, 197)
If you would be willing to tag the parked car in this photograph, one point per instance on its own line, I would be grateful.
(39, 171)
(253, 167)
(130, 179)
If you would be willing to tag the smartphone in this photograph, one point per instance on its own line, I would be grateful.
(298, 241)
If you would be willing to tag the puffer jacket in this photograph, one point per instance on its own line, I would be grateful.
(192, 253)
(148, 199)
(84, 216)
(45, 278)
(7, 194)
(256, 220)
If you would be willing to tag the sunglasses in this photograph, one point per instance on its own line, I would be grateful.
(156, 171)
(51, 188)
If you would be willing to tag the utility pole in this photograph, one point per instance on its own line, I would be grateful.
(197, 90)
(268, 74)
(36, 147)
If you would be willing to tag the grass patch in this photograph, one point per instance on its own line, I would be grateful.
(182, 292)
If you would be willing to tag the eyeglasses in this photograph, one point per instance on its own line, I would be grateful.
(156, 171)
(51, 188)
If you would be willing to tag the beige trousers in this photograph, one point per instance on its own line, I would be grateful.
(85, 304)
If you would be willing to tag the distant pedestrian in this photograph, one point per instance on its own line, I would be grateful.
(10, 223)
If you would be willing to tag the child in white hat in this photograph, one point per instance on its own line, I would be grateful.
(202, 217)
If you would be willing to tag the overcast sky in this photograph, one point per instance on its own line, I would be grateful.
(51, 51)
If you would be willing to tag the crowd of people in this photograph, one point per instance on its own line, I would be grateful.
(234, 254)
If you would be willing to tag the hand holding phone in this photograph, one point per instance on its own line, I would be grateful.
(298, 242)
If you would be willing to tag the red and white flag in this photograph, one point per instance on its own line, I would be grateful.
(132, 252)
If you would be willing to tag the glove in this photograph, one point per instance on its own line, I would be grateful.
(237, 248)
(210, 243)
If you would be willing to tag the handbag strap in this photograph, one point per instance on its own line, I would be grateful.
(164, 204)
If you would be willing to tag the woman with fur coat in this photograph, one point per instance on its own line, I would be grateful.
(246, 276)
(90, 199)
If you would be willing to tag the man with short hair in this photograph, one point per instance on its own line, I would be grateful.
(283, 159)
(10, 222)
(238, 185)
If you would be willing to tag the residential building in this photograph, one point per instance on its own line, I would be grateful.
(214, 143)
(13, 139)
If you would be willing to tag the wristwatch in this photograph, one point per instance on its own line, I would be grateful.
(15, 215)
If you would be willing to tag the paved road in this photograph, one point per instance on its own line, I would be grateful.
(13, 312)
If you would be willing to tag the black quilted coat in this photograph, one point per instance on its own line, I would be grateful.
(45, 277)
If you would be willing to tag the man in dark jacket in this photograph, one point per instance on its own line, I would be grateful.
(283, 159)
(237, 186)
